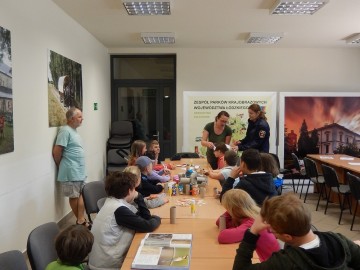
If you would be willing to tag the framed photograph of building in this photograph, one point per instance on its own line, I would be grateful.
(64, 87)
(6, 94)
(318, 123)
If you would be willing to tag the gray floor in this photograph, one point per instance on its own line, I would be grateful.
(329, 222)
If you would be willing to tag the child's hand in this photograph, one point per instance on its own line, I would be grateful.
(152, 196)
(235, 172)
(167, 171)
(258, 225)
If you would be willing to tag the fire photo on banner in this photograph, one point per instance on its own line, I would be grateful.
(320, 124)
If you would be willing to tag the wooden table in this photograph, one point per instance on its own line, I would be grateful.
(341, 163)
(207, 253)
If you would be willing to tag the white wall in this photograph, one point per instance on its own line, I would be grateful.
(260, 69)
(28, 193)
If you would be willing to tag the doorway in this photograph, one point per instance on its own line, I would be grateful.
(146, 97)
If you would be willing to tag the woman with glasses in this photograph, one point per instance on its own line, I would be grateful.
(258, 131)
(215, 132)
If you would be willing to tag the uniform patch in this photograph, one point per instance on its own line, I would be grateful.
(262, 134)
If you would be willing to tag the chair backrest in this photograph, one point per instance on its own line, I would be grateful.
(276, 158)
(114, 157)
(296, 161)
(121, 128)
(12, 260)
(41, 245)
(354, 183)
(310, 168)
(330, 176)
(179, 156)
(100, 203)
(92, 192)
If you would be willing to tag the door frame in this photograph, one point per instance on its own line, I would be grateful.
(149, 83)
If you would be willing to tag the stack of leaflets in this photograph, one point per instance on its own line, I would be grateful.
(163, 251)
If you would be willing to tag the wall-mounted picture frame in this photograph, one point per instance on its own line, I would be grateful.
(64, 87)
(318, 123)
(6, 93)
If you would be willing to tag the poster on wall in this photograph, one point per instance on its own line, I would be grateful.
(201, 108)
(323, 123)
(64, 87)
(6, 96)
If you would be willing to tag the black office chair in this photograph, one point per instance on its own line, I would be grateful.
(92, 193)
(121, 135)
(117, 160)
(179, 156)
(332, 182)
(354, 183)
(313, 175)
(298, 172)
(12, 260)
(41, 245)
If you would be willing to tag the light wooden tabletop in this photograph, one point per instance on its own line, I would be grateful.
(207, 253)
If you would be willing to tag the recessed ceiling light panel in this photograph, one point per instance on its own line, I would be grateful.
(354, 39)
(141, 7)
(158, 38)
(264, 38)
(297, 7)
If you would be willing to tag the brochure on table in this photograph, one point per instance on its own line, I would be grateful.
(163, 251)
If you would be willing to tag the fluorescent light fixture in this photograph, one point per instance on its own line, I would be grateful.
(158, 38)
(141, 7)
(297, 7)
(354, 39)
(264, 38)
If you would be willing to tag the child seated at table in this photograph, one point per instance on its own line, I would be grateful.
(154, 200)
(118, 220)
(257, 183)
(290, 220)
(154, 151)
(138, 149)
(241, 210)
(230, 159)
(269, 165)
(147, 187)
(72, 247)
(219, 153)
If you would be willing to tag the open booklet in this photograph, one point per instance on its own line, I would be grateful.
(163, 251)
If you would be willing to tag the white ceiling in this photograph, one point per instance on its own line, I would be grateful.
(217, 24)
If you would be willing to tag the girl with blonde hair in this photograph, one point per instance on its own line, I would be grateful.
(241, 211)
(138, 149)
